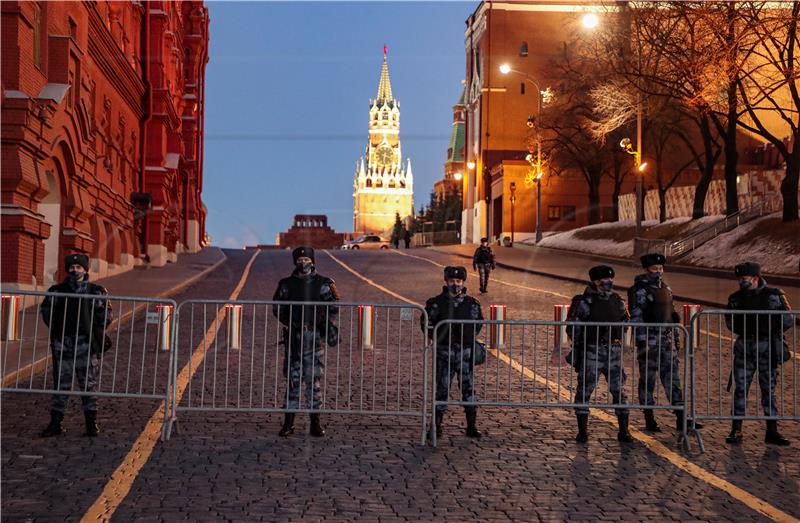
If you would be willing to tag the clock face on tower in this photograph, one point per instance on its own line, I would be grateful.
(384, 156)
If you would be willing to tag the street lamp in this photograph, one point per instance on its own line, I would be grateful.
(470, 165)
(457, 176)
(626, 145)
(513, 188)
(505, 69)
(590, 21)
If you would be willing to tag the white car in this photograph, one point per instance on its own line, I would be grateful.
(367, 241)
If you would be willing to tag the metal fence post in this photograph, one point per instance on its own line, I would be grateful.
(10, 306)
(497, 332)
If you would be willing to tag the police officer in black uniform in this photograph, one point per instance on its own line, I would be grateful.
(759, 346)
(598, 350)
(483, 261)
(304, 326)
(77, 338)
(455, 347)
(650, 301)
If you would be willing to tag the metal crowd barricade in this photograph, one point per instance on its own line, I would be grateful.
(55, 332)
(361, 359)
(734, 350)
(533, 367)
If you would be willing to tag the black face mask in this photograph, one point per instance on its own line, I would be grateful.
(745, 285)
(655, 277)
(304, 268)
(75, 276)
(606, 286)
(455, 289)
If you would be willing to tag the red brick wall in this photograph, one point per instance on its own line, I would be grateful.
(91, 136)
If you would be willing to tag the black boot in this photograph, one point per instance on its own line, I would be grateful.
(650, 423)
(773, 436)
(54, 428)
(623, 435)
(735, 437)
(288, 425)
(583, 428)
(316, 429)
(438, 427)
(90, 416)
(472, 415)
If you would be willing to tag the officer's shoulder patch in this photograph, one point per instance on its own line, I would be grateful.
(97, 289)
(775, 291)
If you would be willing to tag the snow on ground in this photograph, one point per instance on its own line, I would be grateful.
(763, 240)
(775, 254)
(610, 239)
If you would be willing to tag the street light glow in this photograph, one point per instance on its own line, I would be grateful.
(642, 167)
(470, 165)
(505, 68)
(457, 176)
(590, 21)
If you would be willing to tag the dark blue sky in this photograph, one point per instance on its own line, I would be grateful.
(287, 93)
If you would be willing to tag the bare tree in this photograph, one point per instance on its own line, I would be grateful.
(768, 87)
(659, 57)
(568, 141)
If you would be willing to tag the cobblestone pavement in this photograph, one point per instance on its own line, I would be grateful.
(225, 466)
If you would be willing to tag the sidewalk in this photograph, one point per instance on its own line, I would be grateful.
(707, 287)
(146, 282)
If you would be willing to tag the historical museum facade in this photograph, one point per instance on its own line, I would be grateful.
(102, 138)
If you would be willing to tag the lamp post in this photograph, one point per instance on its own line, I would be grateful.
(513, 188)
(506, 69)
(626, 145)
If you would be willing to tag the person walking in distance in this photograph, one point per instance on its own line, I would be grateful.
(483, 261)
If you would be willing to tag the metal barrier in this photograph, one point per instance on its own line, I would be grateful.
(734, 348)
(530, 370)
(71, 345)
(345, 358)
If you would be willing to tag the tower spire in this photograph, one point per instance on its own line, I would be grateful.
(385, 85)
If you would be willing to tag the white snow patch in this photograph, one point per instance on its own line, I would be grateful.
(623, 249)
(722, 252)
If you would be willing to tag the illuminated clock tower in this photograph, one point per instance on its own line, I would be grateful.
(383, 185)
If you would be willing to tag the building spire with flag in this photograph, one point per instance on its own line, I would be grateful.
(385, 85)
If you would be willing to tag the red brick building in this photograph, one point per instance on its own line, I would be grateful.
(102, 135)
(525, 35)
(311, 230)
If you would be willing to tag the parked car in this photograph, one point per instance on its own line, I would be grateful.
(367, 241)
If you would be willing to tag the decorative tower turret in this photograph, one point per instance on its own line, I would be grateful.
(383, 186)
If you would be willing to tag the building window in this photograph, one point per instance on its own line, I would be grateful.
(553, 212)
(523, 49)
(522, 88)
(37, 35)
(73, 29)
(568, 212)
(369, 182)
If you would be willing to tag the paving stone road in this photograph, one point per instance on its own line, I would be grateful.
(224, 466)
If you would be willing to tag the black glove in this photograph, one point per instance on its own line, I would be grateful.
(332, 336)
